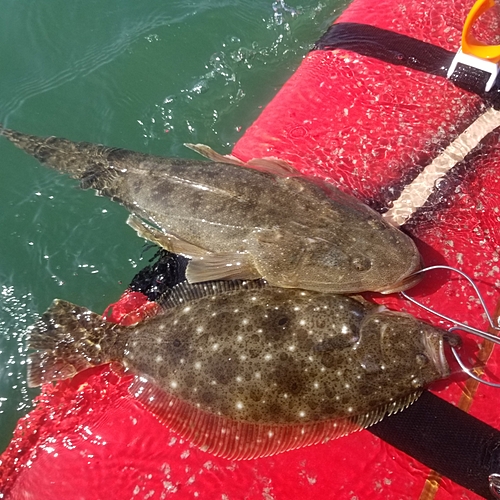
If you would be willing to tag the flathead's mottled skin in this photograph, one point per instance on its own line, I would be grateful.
(254, 356)
(245, 221)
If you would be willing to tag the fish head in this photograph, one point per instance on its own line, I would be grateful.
(362, 263)
(413, 348)
(383, 258)
(434, 341)
(351, 248)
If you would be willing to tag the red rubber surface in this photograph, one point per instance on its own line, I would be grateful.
(363, 124)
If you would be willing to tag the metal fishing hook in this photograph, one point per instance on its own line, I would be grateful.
(463, 326)
(464, 368)
(458, 325)
(494, 484)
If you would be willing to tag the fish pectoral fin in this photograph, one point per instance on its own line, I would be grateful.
(274, 166)
(204, 265)
(209, 153)
(221, 266)
(167, 241)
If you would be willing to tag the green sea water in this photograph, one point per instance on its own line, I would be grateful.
(147, 76)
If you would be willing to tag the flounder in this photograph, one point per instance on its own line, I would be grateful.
(245, 371)
(236, 220)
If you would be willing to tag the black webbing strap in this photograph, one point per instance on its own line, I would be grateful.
(446, 439)
(403, 50)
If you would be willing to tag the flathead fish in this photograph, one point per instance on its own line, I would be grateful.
(234, 220)
(244, 371)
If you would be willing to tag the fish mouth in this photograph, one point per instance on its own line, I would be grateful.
(452, 339)
(434, 349)
(401, 286)
(410, 279)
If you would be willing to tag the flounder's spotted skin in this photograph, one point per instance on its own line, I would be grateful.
(284, 356)
(243, 371)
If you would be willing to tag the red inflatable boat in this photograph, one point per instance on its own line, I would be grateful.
(372, 110)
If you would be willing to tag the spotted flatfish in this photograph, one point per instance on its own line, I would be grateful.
(244, 371)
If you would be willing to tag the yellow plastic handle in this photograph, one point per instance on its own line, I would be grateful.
(469, 43)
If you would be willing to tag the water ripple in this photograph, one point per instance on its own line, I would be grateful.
(88, 55)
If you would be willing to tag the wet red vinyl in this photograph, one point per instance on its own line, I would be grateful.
(369, 127)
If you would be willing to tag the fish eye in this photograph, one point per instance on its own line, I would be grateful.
(422, 359)
(283, 321)
(361, 263)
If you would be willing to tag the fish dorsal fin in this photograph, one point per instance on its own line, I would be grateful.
(274, 166)
(240, 440)
(371, 418)
(185, 292)
(269, 165)
(209, 153)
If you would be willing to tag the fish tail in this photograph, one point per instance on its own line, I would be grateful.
(77, 159)
(15, 137)
(66, 340)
